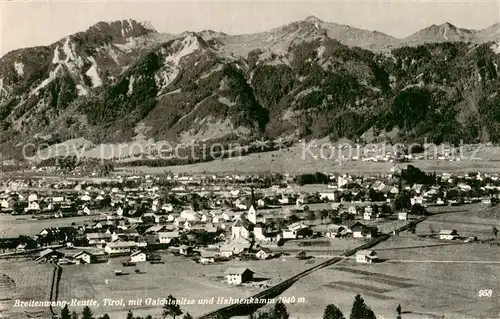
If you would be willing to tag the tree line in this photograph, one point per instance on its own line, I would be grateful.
(359, 310)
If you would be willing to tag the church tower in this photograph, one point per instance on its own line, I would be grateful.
(252, 214)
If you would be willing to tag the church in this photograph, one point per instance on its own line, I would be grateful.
(249, 225)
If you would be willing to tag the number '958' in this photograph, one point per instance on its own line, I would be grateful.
(485, 293)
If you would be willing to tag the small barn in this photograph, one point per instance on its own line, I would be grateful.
(87, 257)
(264, 253)
(366, 256)
(238, 275)
(49, 254)
(207, 257)
(448, 234)
(185, 250)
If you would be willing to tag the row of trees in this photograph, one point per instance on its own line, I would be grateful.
(359, 310)
(170, 310)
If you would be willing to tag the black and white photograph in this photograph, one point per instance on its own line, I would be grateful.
(261, 159)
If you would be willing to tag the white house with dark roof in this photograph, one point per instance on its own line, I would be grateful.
(295, 230)
(138, 256)
(366, 256)
(238, 275)
(226, 251)
(358, 230)
(99, 238)
(207, 256)
(264, 253)
(403, 216)
(167, 236)
(88, 257)
(448, 234)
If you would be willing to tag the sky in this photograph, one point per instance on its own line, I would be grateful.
(25, 23)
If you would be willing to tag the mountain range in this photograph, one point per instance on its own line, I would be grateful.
(122, 81)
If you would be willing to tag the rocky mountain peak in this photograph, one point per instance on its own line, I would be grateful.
(121, 29)
(148, 25)
(313, 19)
(446, 32)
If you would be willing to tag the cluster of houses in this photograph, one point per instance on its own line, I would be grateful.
(229, 193)
(220, 217)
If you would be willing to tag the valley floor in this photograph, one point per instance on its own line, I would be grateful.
(295, 160)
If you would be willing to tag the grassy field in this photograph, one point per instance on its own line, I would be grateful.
(23, 280)
(179, 276)
(320, 247)
(470, 220)
(428, 277)
(426, 289)
(13, 226)
(299, 159)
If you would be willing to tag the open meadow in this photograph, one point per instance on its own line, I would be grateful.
(469, 220)
(319, 247)
(427, 276)
(179, 276)
(428, 282)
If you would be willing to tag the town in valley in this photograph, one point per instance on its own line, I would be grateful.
(231, 159)
(236, 235)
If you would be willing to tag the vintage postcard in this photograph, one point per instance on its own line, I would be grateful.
(249, 159)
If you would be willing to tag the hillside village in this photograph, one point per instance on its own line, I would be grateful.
(217, 218)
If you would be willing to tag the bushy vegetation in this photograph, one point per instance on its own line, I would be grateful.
(317, 178)
(115, 103)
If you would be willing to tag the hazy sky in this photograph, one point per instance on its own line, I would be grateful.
(28, 23)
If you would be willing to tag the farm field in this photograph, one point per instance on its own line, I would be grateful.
(178, 276)
(426, 289)
(470, 220)
(13, 226)
(251, 164)
(24, 280)
(319, 247)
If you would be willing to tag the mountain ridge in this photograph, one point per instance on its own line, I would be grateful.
(121, 80)
(490, 33)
